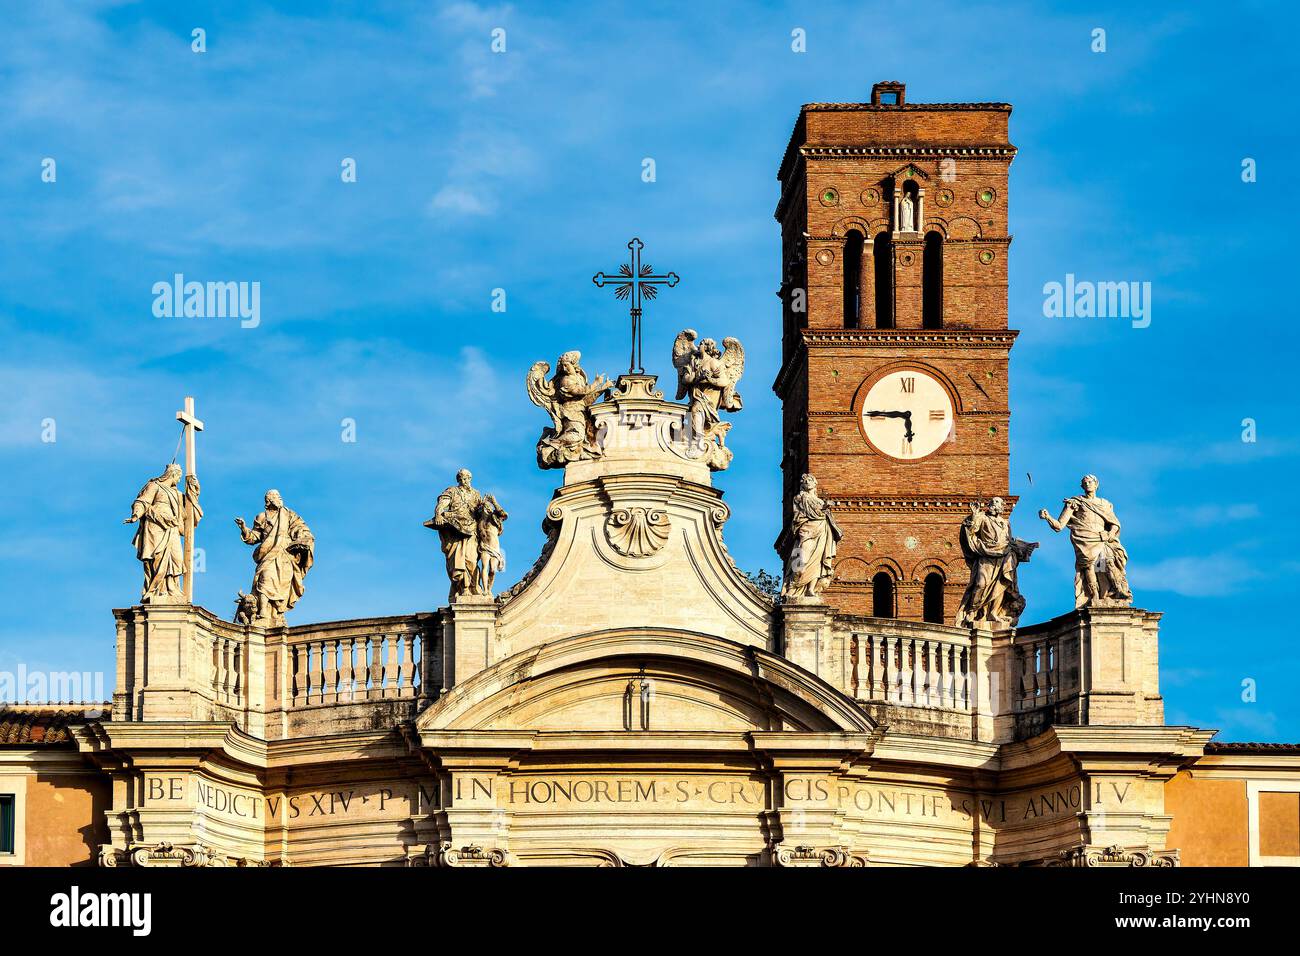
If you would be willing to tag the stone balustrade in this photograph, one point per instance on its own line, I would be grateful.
(1090, 666)
(1093, 666)
(177, 662)
(912, 671)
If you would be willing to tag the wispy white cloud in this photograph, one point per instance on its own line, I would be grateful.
(1204, 576)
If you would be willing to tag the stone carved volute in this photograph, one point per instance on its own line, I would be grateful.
(826, 856)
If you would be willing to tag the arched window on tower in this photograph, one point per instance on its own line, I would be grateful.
(882, 595)
(932, 282)
(932, 602)
(852, 278)
(884, 262)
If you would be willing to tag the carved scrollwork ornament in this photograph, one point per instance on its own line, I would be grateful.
(638, 532)
(160, 854)
(1131, 856)
(824, 856)
(472, 855)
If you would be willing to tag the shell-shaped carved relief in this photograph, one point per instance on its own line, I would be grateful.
(637, 532)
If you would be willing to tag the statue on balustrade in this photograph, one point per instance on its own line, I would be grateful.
(159, 509)
(992, 600)
(469, 526)
(283, 551)
(491, 559)
(707, 377)
(567, 398)
(1100, 561)
(245, 608)
(814, 538)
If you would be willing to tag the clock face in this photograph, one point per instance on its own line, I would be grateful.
(907, 414)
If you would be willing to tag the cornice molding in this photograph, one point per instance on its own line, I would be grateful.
(965, 338)
(815, 153)
(957, 504)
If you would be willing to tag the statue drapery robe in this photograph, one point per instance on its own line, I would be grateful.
(1094, 532)
(455, 518)
(284, 554)
(992, 599)
(811, 564)
(160, 510)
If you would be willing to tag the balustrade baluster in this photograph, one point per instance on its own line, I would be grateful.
(237, 658)
(330, 695)
(376, 666)
(408, 685)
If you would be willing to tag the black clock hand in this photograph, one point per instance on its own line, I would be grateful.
(905, 416)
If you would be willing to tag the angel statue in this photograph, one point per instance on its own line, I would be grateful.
(708, 376)
(567, 398)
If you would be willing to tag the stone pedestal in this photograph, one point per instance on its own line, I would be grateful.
(807, 636)
(469, 638)
(156, 651)
(1119, 678)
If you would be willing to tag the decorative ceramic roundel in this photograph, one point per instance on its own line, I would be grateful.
(830, 196)
(987, 256)
(986, 196)
(825, 257)
(945, 197)
(870, 197)
(907, 414)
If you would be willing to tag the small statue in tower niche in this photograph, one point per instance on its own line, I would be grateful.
(567, 398)
(1100, 561)
(907, 213)
(707, 376)
(814, 538)
(992, 600)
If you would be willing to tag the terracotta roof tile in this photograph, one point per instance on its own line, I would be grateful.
(46, 725)
(1243, 747)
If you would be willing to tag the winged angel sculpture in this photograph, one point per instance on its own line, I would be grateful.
(707, 376)
(567, 398)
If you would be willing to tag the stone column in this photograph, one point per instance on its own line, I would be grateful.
(469, 636)
(867, 285)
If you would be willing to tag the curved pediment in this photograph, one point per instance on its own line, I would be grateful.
(652, 679)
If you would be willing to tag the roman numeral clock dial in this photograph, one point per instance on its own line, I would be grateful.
(907, 414)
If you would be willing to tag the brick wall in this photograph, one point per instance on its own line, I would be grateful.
(840, 173)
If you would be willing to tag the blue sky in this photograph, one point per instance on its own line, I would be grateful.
(522, 171)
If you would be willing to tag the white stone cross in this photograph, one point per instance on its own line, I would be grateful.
(192, 425)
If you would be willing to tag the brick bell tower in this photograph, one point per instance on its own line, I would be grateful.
(895, 341)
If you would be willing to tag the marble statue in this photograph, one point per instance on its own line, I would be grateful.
(907, 214)
(491, 559)
(283, 551)
(469, 526)
(707, 377)
(992, 600)
(245, 608)
(814, 536)
(567, 398)
(455, 520)
(159, 510)
(1099, 558)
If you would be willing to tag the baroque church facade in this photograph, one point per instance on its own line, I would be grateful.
(635, 699)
